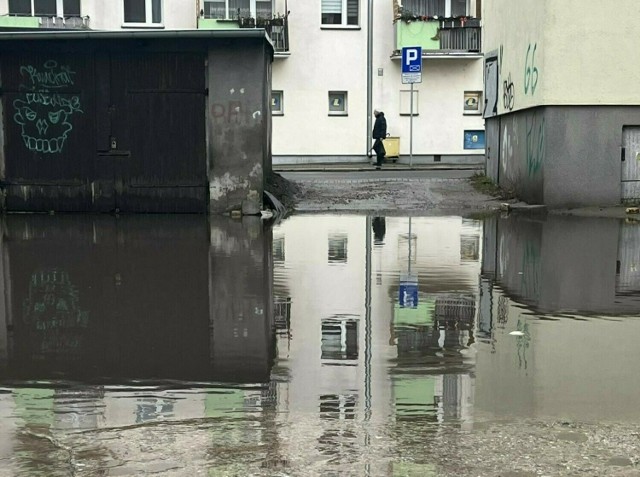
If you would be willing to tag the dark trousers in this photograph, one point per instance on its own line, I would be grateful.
(378, 147)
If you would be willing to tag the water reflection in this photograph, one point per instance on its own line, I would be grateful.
(328, 345)
(145, 298)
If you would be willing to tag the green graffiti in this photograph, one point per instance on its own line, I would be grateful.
(44, 110)
(53, 302)
(523, 341)
(535, 144)
(531, 270)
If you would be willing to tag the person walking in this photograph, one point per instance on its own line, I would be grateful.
(379, 133)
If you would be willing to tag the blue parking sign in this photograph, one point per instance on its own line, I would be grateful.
(412, 64)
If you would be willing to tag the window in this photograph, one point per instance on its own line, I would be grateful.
(337, 103)
(143, 11)
(405, 103)
(231, 9)
(340, 12)
(339, 338)
(337, 248)
(474, 139)
(263, 9)
(433, 8)
(45, 8)
(472, 101)
(276, 103)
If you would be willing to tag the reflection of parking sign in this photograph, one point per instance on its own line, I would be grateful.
(412, 64)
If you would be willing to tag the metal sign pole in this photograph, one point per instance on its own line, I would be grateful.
(411, 129)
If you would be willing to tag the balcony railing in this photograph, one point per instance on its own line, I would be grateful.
(439, 37)
(70, 23)
(48, 22)
(460, 39)
(277, 28)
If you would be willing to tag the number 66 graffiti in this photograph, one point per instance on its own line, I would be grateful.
(531, 71)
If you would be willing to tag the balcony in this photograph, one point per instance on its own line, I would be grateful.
(450, 37)
(49, 23)
(70, 23)
(277, 29)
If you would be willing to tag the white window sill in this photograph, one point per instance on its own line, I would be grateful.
(142, 25)
(340, 27)
(338, 114)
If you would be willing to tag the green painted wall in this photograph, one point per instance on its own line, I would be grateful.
(417, 33)
(213, 24)
(19, 22)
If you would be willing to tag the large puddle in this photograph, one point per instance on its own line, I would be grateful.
(325, 345)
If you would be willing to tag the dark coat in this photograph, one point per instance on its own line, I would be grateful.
(380, 127)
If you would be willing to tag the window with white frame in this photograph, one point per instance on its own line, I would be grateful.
(45, 8)
(440, 8)
(341, 12)
(143, 12)
(338, 103)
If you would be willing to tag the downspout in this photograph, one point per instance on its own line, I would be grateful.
(369, 73)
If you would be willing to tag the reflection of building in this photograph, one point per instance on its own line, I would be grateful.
(566, 263)
(557, 322)
(348, 358)
(141, 306)
(145, 297)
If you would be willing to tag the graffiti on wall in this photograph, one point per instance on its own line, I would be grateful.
(535, 143)
(44, 108)
(52, 311)
(234, 111)
(508, 93)
(531, 72)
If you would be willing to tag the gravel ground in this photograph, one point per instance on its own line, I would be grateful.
(429, 196)
(535, 448)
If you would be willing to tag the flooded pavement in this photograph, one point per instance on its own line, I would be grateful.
(328, 345)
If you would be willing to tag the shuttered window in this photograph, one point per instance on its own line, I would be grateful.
(340, 12)
(352, 12)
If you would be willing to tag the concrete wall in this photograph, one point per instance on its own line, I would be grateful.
(561, 156)
(238, 123)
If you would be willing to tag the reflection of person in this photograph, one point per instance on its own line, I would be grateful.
(379, 133)
(379, 228)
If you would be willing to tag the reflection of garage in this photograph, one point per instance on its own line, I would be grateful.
(118, 121)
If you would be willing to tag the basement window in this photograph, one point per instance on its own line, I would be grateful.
(276, 103)
(338, 103)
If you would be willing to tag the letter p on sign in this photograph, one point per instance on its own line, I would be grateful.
(412, 59)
